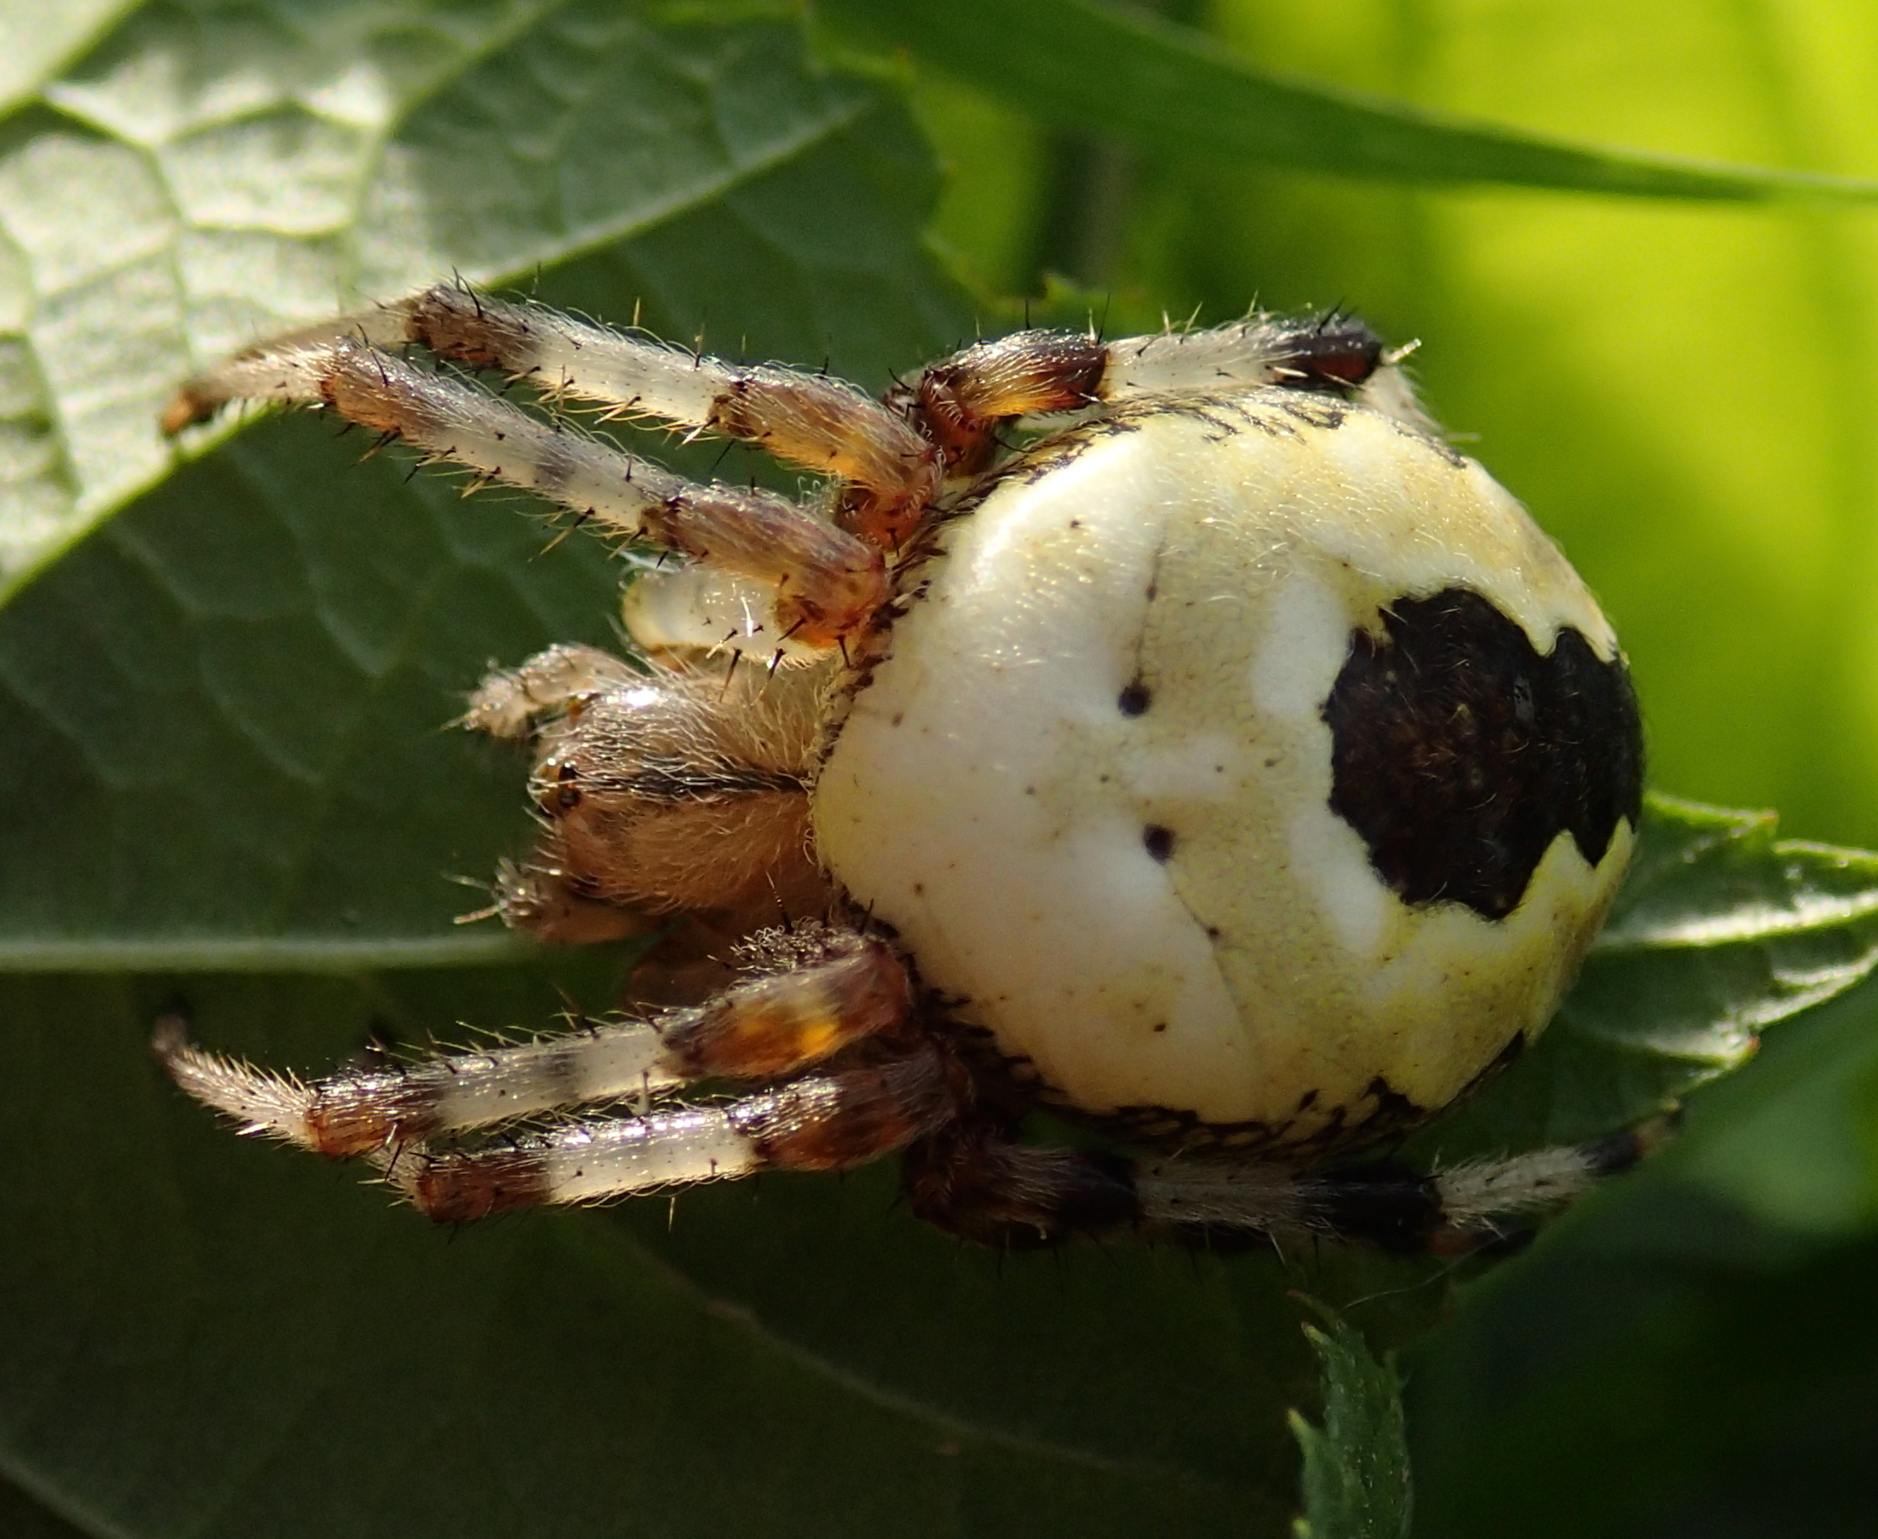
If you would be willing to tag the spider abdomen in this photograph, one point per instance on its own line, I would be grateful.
(1253, 760)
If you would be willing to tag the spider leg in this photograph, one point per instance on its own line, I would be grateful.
(829, 1121)
(757, 1029)
(828, 582)
(514, 703)
(680, 613)
(542, 896)
(963, 399)
(979, 1184)
(680, 790)
(806, 419)
(1452, 1210)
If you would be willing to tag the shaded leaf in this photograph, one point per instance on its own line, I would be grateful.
(1678, 1369)
(1120, 70)
(24, 1516)
(247, 1343)
(1356, 1472)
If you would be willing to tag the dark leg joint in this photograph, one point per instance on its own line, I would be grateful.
(980, 1186)
(1615, 1153)
(1387, 1203)
(1335, 353)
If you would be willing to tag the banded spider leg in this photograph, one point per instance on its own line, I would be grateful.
(829, 1002)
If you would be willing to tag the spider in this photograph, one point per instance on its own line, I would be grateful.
(1231, 767)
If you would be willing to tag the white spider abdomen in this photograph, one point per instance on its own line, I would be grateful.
(1255, 761)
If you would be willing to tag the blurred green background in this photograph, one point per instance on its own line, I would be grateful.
(1681, 389)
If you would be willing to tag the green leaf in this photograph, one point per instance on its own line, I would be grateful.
(1356, 1467)
(1121, 71)
(259, 656)
(22, 1516)
(222, 753)
(261, 165)
(1721, 931)
(216, 739)
(216, 1338)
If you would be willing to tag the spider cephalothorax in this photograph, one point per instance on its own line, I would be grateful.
(1238, 769)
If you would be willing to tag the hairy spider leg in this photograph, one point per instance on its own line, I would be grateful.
(679, 790)
(1450, 1210)
(683, 613)
(963, 399)
(829, 1121)
(827, 582)
(758, 1029)
(984, 1187)
(810, 420)
(514, 703)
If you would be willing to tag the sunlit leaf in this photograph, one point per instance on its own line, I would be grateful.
(263, 164)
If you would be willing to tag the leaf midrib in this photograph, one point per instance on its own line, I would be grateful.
(621, 1249)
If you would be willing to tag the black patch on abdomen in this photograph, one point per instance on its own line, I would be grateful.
(1459, 753)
